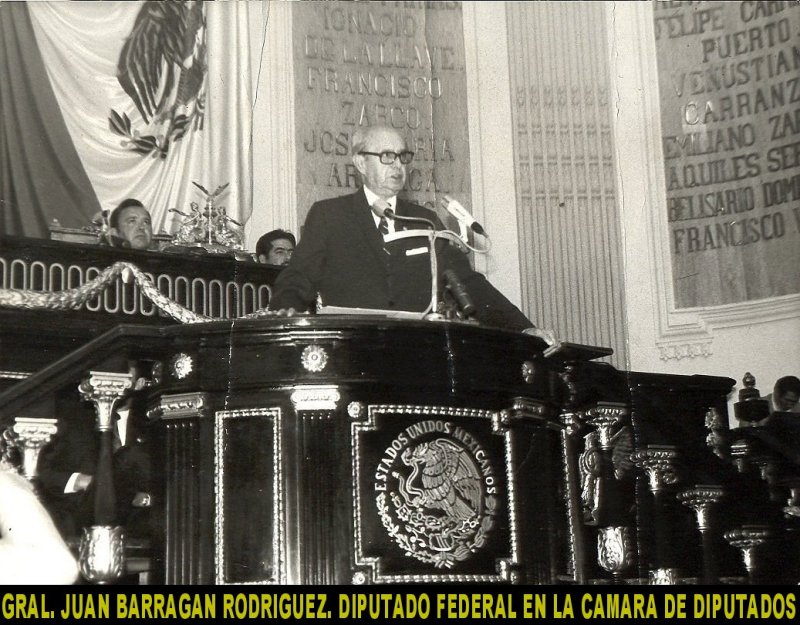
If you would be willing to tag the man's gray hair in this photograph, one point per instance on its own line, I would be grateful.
(362, 135)
(359, 139)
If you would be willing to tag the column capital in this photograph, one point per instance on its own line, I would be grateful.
(658, 461)
(104, 389)
(700, 499)
(31, 435)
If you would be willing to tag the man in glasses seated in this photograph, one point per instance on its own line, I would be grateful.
(345, 257)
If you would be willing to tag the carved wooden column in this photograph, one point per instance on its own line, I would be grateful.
(747, 538)
(701, 499)
(31, 435)
(601, 493)
(658, 461)
(607, 418)
(315, 407)
(184, 497)
(572, 426)
(102, 557)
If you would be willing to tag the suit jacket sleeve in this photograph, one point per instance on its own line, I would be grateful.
(73, 450)
(298, 283)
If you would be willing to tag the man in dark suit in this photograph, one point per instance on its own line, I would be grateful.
(129, 226)
(346, 253)
(67, 468)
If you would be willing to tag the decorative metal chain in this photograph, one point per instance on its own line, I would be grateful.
(71, 299)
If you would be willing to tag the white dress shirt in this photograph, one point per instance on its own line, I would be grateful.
(392, 201)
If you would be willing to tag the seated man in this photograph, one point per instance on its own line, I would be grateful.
(781, 429)
(67, 469)
(785, 395)
(130, 226)
(345, 258)
(275, 247)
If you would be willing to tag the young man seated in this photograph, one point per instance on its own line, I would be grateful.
(130, 226)
(275, 248)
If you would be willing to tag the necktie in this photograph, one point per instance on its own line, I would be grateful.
(380, 207)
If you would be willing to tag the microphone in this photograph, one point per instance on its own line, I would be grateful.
(460, 293)
(381, 208)
(455, 208)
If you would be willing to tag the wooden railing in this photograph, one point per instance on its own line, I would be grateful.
(210, 285)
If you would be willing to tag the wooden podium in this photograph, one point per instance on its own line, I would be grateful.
(331, 450)
(370, 450)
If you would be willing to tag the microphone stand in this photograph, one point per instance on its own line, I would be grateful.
(431, 235)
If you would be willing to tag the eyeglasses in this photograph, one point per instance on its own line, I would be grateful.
(388, 158)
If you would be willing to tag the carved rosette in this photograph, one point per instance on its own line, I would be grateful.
(615, 548)
(700, 499)
(356, 410)
(181, 366)
(104, 390)
(31, 436)
(659, 464)
(747, 538)
(314, 358)
(102, 553)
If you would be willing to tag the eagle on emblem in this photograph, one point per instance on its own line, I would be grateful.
(449, 480)
(163, 44)
(162, 67)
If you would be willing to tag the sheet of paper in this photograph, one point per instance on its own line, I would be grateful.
(394, 314)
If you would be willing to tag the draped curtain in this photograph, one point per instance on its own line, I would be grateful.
(41, 176)
(185, 116)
